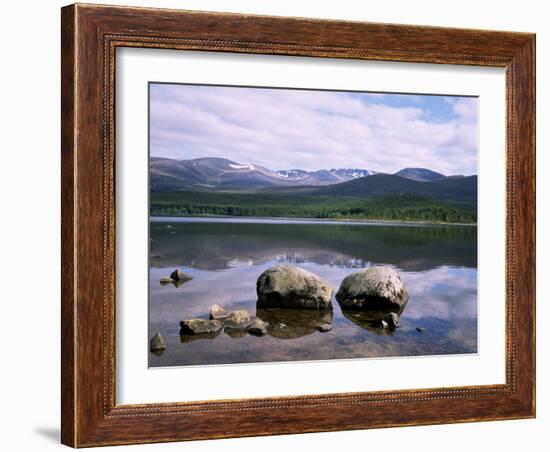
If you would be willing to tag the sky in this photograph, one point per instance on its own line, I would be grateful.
(311, 130)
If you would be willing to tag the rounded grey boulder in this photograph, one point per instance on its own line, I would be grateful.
(286, 286)
(373, 288)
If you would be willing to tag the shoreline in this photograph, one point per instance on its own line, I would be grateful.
(295, 220)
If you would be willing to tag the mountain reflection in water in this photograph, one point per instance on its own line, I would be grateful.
(437, 263)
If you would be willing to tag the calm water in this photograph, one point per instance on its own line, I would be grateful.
(225, 257)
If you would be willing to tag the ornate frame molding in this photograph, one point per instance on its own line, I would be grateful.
(90, 37)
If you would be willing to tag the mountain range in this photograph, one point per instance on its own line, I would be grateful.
(168, 175)
(222, 187)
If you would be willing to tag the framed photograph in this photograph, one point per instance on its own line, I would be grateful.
(282, 225)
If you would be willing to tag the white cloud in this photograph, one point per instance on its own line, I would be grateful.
(284, 129)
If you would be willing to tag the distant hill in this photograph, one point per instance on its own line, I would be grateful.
(174, 175)
(222, 175)
(379, 184)
(454, 190)
(420, 174)
(211, 173)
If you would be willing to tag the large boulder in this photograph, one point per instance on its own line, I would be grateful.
(373, 288)
(285, 286)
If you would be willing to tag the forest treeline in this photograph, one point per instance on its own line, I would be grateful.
(402, 207)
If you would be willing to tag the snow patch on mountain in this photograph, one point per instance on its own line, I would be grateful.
(242, 167)
(352, 173)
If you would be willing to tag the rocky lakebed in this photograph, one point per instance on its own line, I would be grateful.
(293, 300)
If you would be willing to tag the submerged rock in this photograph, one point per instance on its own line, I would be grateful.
(373, 320)
(238, 320)
(257, 328)
(186, 338)
(234, 333)
(165, 280)
(218, 312)
(286, 286)
(392, 319)
(373, 288)
(294, 323)
(157, 343)
(179, 276)
(200, 326)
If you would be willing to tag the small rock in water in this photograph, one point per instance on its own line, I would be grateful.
(200, 326)
(166, 280)
(157, 343)
(383, 324)
(257, 328)
(420, 329)
(238, 320)
(218, 312)
(392, 319)
(178, 275)
(325, 327)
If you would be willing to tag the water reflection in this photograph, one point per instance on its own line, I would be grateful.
(293, 323)
(235, 333)
(173, 282)
(372, 320)
(221, 246)
(186, 338)
(438, 266)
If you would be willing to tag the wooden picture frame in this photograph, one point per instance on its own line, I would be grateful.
(90, 36)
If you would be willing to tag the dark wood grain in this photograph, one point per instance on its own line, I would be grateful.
(90, 36)
(68, 311)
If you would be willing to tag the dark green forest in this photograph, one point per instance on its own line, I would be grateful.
(399, 207)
